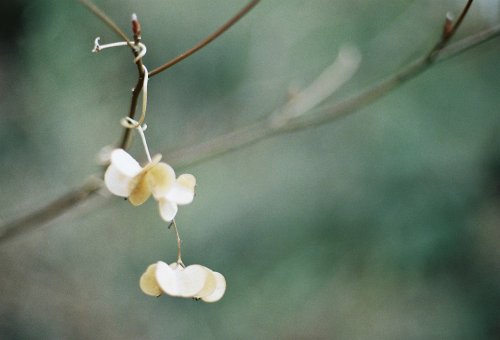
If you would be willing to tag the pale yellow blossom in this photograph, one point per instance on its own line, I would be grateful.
(194, 281)
(126, 178)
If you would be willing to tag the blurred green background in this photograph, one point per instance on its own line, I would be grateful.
(382, 225)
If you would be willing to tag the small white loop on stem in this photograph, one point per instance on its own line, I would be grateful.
(141, 49)
(131, 123)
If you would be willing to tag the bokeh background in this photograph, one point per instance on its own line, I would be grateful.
(382, 225)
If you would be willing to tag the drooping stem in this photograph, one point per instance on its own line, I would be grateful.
(140, 131)
(179, 243)
(144, 94)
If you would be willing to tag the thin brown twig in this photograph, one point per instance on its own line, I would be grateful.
(448, 32)
(207, 40)
(255, 133)
(459, 21)
(111, 24)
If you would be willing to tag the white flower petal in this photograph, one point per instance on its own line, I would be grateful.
(117, 182)
(182, 192)
(210, 284)
(166, 279)
(177, 281)
(125, 163)
(161, 178)
(148, 282)
(220, 289)
(193, 280)
(168, 209)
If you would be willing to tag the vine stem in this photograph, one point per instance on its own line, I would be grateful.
(256, 132)
(139, 86)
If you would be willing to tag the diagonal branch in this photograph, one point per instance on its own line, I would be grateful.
(265, 128)
(207, 40)
(54, 209)
(111, 24)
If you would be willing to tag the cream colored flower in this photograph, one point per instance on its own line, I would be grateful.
(126, 178)
(194, 281)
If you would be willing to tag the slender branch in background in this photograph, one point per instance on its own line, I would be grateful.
(54, 209)
(207, 40)
(266, 128)
(467, 43)
(384, 87)
(263, 129)
(330, 80)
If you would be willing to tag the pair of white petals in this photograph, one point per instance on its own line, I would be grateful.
(194, 281)
(126, 178)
